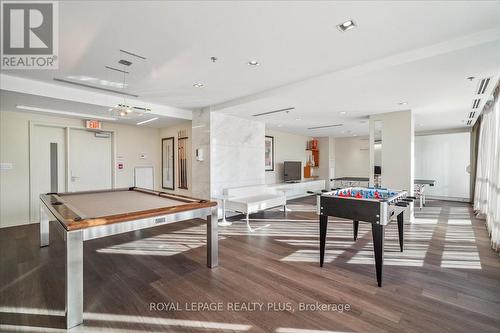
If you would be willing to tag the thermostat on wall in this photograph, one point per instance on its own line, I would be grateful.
(6, 166)
(199, 154)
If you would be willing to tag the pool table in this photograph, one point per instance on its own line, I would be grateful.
(82, 216)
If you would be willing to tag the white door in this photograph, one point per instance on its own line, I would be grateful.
(47, 163)
(90, 162)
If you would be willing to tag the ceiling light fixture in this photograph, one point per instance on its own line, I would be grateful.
(347, 25)
(286, 110)
(198, 85)
(147, 121)
(403, 103)
(124, 110)
(343, 113)
(66, 113)
(253, 63)
(325, 126)
(297, 119)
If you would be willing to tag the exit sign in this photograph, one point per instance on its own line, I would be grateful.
(93, 124)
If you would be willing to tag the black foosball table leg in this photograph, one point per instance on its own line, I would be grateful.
(323, 226)
(401, 230)
(355, 225)
(378, 249)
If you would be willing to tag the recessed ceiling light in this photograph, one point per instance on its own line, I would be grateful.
(297, 119)
(403, 103)
(343, 113)
(198, 85)
(253, 63)
(347, 25)
(147, 121)
(279, 125)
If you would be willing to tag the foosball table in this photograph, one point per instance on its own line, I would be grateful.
(377, 206)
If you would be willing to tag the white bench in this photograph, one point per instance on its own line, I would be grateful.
(252, 199)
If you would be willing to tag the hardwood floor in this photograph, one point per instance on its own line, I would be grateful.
(446, 280)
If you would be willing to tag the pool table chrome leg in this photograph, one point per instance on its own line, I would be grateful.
(74, 278)
(378, 248)
(323, 226)
(212, 239)
(44, 226)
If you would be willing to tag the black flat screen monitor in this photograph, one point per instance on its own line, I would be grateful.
(292, 171)
(378, 170)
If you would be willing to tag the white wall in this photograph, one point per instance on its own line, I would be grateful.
(131, 142)
(444, 158)
(287, 147)
(352, 157)
(172, 131)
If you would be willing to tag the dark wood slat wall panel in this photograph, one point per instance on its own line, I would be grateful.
(124, 273)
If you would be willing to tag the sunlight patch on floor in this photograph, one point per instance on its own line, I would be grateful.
(170, 244)
(421, 220)
(459, 222)
(106, 317)
(31, 311)
(410, 257)
(301, 330)
(311, 255)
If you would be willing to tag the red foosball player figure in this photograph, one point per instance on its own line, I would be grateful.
(377, 195)
(358, 195)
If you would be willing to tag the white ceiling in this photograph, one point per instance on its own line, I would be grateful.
(415, 51)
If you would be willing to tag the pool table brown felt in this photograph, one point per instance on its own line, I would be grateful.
(79, 210)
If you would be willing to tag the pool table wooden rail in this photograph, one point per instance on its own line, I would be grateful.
(71, 219)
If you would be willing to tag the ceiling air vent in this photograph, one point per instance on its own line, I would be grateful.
(472, 114)
(275, 111)
(475, 103)
(325, 126)
(469, 122)
(483, 84)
